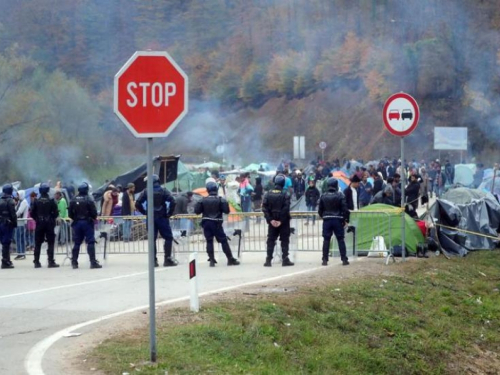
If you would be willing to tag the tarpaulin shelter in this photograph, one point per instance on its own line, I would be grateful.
(385, 221)
(463, 214)
(464, 174)
(164, 166)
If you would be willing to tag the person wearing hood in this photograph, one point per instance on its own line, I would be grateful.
(22, 209)
(335, 214)
(212, 209)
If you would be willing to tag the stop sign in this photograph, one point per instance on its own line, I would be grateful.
(151, 94)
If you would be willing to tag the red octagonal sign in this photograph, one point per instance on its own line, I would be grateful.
(151, 94)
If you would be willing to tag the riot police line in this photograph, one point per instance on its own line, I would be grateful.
(83, 213)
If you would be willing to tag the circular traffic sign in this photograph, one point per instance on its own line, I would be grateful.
(401, 114)
(322, 145)
(151, 94)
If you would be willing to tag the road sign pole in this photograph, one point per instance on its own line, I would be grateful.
(403, 198)
(322, 154)
(151, 252)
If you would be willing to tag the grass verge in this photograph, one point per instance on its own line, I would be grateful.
(430, 317)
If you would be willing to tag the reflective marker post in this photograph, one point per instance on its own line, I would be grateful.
(193, 283)
(151, 252)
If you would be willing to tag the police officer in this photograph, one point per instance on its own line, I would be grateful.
(212, 208)
(8, 221)
(276, 209)
(163, 207)
(44, 211)
(83, 212)
(333, 210)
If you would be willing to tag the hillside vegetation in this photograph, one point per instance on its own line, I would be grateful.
(260, 72)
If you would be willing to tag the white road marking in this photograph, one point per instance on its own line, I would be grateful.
(33, 361)
(77, 284)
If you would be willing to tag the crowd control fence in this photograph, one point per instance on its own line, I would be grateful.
(247, 232)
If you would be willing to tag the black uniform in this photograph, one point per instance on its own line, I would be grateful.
(8, 221)
(163, 209)
(276, 206)
(83, 212)
(212, 209)
(44, 211)
(333, 210)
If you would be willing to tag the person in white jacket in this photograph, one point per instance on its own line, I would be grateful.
(22, 209)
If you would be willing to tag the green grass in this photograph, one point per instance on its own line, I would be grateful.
(431, 314)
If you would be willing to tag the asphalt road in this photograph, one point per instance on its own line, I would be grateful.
(36, 303)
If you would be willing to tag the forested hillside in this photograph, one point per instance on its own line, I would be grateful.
(261, 71)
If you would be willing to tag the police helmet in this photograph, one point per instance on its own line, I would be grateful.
(332, 183)
(7, 189)
(212, 187)
(279, 181)
(44, 188)
(83, 188)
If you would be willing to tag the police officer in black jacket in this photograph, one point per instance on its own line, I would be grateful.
(276, 209)
(333, 210)
(8, 221)
(44, 211)
(163, 209)
(212, 208)
(83, 212)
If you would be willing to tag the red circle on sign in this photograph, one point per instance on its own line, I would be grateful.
(151, 93)
(399, 115)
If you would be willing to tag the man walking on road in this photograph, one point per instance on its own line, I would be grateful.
(333, 210)
(276, 209)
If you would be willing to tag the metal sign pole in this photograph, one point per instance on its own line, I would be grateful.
(403, 198)
(151, 252)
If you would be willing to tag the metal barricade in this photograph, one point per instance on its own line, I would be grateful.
(247, 232)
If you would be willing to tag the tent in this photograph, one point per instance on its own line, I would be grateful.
(184, 181)
(487, 183)
(378, 223)
(350, 167)
(469, 211)
(254, 167)
(342, 178)
(209, 164)
(164, 166)
(464, 174)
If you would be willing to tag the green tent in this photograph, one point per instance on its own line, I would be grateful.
(184, 179)
(384, 220)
